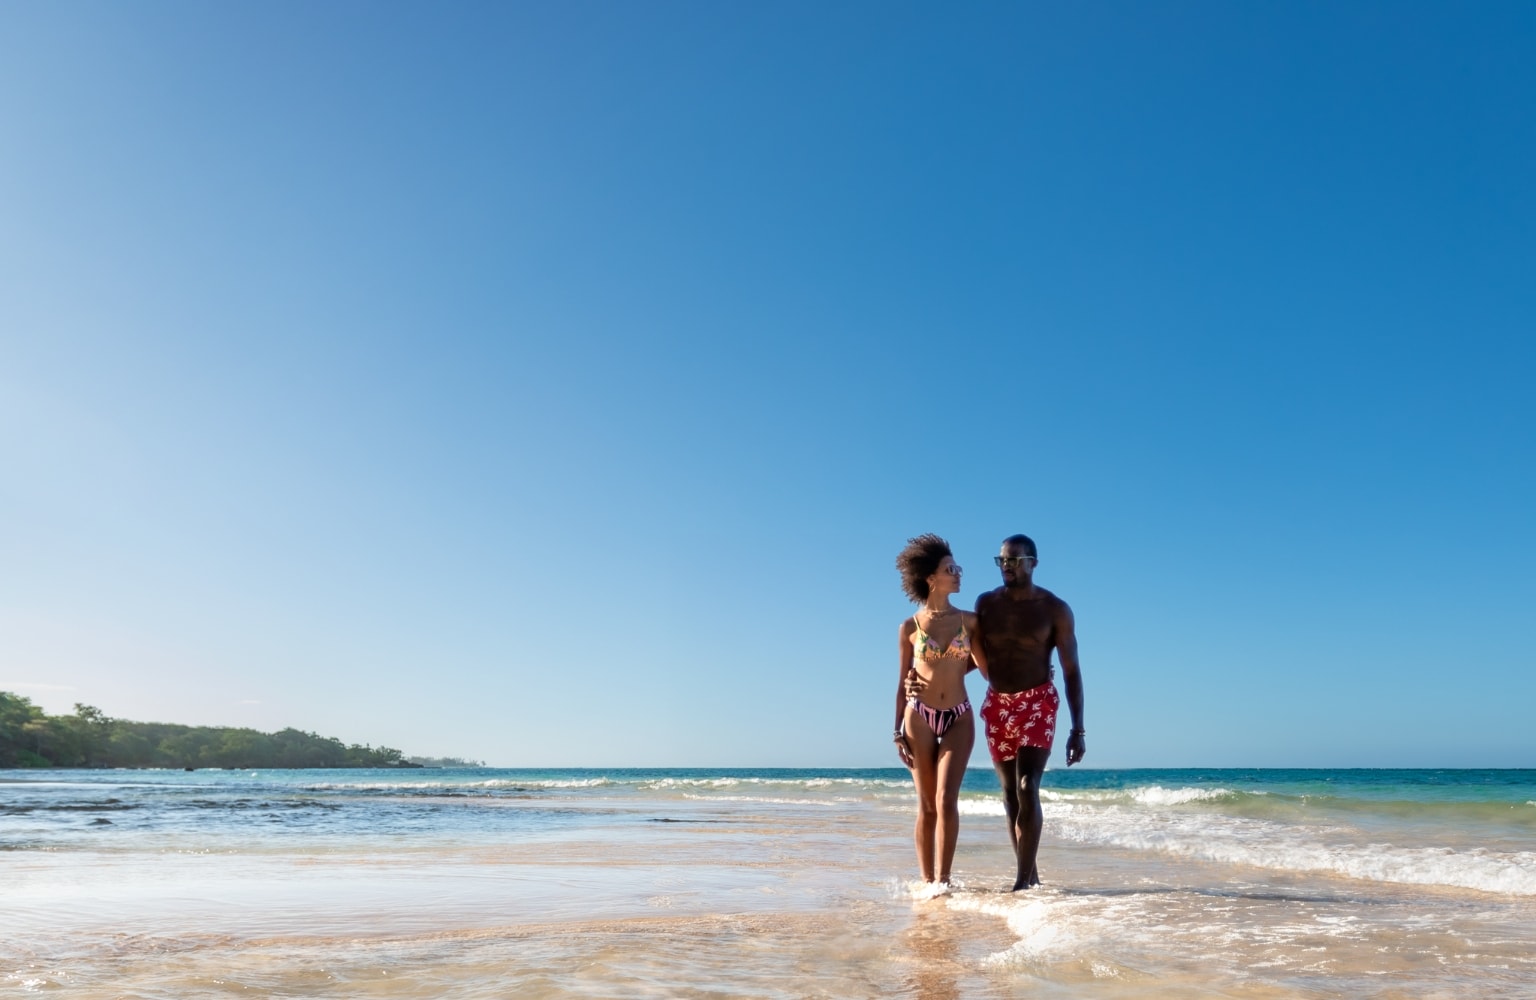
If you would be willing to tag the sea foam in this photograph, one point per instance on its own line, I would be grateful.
(1264, 844)
(1150, 818)
(1153, 795)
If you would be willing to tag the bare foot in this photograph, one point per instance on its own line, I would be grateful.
(928, 890)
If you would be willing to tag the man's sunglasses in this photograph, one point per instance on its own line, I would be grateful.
(1009, 562)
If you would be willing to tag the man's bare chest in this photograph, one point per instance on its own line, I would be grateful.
(1023, 623)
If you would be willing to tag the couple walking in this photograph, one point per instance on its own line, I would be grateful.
(1009, 639)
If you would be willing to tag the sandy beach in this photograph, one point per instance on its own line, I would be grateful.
(757, 884)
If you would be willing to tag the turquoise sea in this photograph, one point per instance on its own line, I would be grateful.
(762, 883)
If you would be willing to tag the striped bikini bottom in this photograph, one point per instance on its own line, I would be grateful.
(940, 719)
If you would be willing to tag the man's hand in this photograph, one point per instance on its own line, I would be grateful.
(915, 686)
(1076, 747)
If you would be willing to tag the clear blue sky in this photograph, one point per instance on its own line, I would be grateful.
(555, 383)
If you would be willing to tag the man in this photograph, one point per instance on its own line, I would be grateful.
(1017, 626)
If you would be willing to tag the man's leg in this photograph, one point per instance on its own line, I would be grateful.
(1008, 780)
(1029, 766)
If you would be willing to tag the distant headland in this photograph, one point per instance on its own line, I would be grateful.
(88, 738)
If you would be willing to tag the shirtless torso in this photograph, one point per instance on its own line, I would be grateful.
(1019, 629)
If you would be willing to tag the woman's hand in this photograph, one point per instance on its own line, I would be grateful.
(904, 751)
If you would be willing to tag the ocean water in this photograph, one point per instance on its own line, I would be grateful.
(762, 883)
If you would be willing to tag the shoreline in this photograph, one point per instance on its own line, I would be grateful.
(771, 882)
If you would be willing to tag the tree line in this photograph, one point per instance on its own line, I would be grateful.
(31, 738)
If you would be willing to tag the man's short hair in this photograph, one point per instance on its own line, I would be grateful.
(1027, 542)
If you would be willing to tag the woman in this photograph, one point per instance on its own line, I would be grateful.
(935, 729)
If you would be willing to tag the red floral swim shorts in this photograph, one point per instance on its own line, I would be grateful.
(1022, 719)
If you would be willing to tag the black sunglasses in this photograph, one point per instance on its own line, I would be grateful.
(1008, 562)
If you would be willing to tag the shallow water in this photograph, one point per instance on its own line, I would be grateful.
(761, 884)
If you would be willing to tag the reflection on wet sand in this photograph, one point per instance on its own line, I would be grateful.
(932, 944)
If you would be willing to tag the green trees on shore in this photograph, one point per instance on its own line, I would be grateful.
(31, 738)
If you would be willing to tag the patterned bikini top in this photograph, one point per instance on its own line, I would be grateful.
(924, 648)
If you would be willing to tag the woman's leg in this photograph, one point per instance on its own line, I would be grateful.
(954, 754)
(925, 752)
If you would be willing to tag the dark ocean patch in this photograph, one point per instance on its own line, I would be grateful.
(106, 805)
